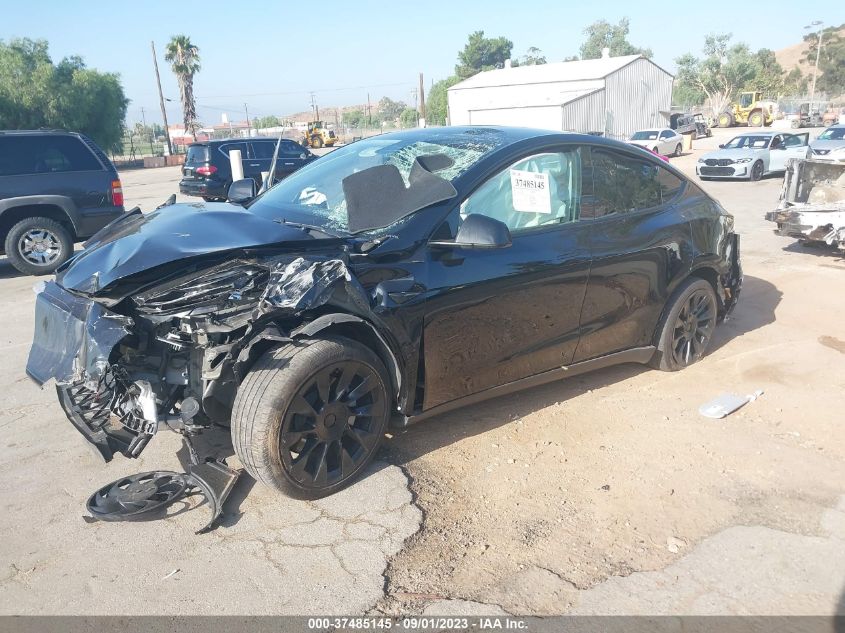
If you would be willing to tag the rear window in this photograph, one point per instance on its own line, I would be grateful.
(44, 155)
(197, 154)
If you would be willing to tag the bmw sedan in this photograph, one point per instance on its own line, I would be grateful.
(752, 155)
(396, 278)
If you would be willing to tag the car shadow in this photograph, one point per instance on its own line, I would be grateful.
(819, 249)
(756, 308)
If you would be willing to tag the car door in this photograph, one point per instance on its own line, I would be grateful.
(292, 156)
(250, 171)
(788, 146)
(494, 316)
(638, 241)
(261, 154)
(666, 144)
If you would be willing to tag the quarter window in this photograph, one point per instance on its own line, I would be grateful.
(624, 183)
(44, 155)
(542, 190)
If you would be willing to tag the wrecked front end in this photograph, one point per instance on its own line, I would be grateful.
(812, 207)
(171, 356)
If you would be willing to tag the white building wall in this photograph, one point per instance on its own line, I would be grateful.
(637, 96)
(500, 98)
(542, 117)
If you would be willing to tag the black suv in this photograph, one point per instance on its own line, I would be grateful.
(56, 188)
(208, 173)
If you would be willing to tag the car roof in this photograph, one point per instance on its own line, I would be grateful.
(42, 132)
(220, 141)
(765, 133)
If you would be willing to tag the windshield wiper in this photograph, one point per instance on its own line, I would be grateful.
(309, 227)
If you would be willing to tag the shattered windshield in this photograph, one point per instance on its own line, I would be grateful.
(833, 134)
(318, 193)
(749, 142)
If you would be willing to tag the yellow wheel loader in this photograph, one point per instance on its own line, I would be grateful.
(750, 110)
(317, 135)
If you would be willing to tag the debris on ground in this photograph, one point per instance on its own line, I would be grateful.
(726, 403)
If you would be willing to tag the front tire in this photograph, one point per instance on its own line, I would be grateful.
(37, 245)
(678, 150)
(687, 326)
(756, 171)
(310, 416)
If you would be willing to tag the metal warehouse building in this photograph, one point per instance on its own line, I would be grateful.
(612, 95)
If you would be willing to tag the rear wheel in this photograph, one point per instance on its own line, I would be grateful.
(756, 119)
(311, 415)
(317, 142)
(756, 171)
(678, 149)
(37, 245)
(687, 327)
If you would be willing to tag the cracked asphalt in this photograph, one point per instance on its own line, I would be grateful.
(603, 494)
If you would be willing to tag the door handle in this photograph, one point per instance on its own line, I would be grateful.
(255, 164)
(288, 164)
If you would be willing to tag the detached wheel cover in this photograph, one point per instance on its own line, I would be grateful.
(330, 427)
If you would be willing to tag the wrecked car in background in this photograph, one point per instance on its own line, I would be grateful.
(812, 207)
(395, 278)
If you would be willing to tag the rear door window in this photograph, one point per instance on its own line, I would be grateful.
(45, 155)
(197, 154)
(228, 147)
(263, 149)
(623, 184)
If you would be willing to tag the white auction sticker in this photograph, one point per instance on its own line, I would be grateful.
(531, 191)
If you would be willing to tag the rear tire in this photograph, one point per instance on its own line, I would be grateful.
(678, 150)
(756, 119)
(310, 416)
(38, 245)
(687, 327)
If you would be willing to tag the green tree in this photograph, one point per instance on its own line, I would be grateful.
(267, 121)
(794, 82)
(602, 34)
(389, 110)
(36, 93)
(437, 105)
(831, 78)
(184, 59)
(409, 118)
(533, 57)
(723, 70)
(482, 53)
(354, 118)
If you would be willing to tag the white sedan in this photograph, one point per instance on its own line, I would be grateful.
(663, 141)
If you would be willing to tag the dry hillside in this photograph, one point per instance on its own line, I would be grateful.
(791, 56)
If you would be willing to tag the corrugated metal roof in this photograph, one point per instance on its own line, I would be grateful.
(582, 70)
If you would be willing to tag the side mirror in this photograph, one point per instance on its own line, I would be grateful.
(721, 145)
(304, 156)
(479, 231)
(241, 191)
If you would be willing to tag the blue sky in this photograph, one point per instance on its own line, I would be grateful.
(259, 53)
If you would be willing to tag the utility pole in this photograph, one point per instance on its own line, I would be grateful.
(816, 67)
(161, 100)
(422, 102)
(369, 112)
(248, 125)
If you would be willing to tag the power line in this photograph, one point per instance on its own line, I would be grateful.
(296, 92)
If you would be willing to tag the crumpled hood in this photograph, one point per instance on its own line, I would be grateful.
(137, 242)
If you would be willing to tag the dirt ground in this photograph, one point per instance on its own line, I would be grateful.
(531, 496)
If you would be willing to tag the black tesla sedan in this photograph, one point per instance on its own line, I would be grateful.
(393, 279)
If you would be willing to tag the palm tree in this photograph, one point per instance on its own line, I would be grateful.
(184, 60)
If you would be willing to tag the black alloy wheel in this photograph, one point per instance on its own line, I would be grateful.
(687, 325)
(756, 171)
(693, 327)
(329, 430)
(309, 416)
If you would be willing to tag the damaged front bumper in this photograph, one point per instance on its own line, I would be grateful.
(73, 340)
